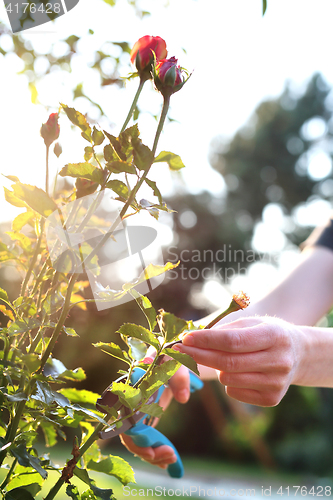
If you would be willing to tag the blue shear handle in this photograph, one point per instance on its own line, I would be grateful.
(144, 435)
(195, 383)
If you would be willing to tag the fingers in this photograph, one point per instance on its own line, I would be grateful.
(180, 385)
(253, 397)
(161, 456)
(226, 361)
(246, 335)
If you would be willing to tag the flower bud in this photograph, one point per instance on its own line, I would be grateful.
(143, 54)
(50, 130)
(57, 150)
(168, 77)
(241, 300)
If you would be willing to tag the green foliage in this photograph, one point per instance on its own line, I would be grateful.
(139, 332)
(84, 171)
(174, 161)
(114, 466)
(31, 396)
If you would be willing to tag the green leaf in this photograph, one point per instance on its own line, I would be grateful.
(70, 331)
(119, 166)
(138, 349)
(26, 305)
(158, 377)
(53, 302)
(19, 494)
(12, 199)
(21, 220)
(110, 153)
(5, 254)
(27, 460)
(53, 368)
(35, 198)
(50, 433)
(79, 120)
(83, 170)
(27, 478)
(102, 494)
(78, 375)
(139, 332)
(146, 307)
(182, 358)
(23, 325)
(97, 136)
(174, 161)
(119, 188)
(114, 350)
(44, 393)
(154, 409)
(4, 296)
(264, 6)
(73, 492)
(170, 326)
(7, 312)
(151, 271)
(83, 475)
(128, 139)
(114, 466)
(80, 396)
(88, 495)
(156, 191)
(23, 240)
(31, 361)
(88, 153)
(143, 156)
(16, 397)
(128, 395)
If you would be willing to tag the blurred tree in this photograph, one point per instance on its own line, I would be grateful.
(282, 156)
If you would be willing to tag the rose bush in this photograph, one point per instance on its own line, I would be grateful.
(30, 375)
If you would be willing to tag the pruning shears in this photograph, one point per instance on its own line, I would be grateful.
(144, 435)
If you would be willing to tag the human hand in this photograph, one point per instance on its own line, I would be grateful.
(257, 357)
(162, 456)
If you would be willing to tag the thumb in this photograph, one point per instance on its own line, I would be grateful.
(180, 385)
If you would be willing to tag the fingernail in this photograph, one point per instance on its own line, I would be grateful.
(188, 340)
(177, 347)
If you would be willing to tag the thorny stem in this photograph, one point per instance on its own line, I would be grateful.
(134, 103)
(60, 323)
(94, 436)
(136, 188)
(34, 258)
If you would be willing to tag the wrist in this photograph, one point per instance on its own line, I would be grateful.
(315, 367)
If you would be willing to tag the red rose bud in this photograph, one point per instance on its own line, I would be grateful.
(168, 77)
(50, 130)
(57, 150)
(143, 53)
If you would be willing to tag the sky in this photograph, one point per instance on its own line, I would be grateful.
(238, 58)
